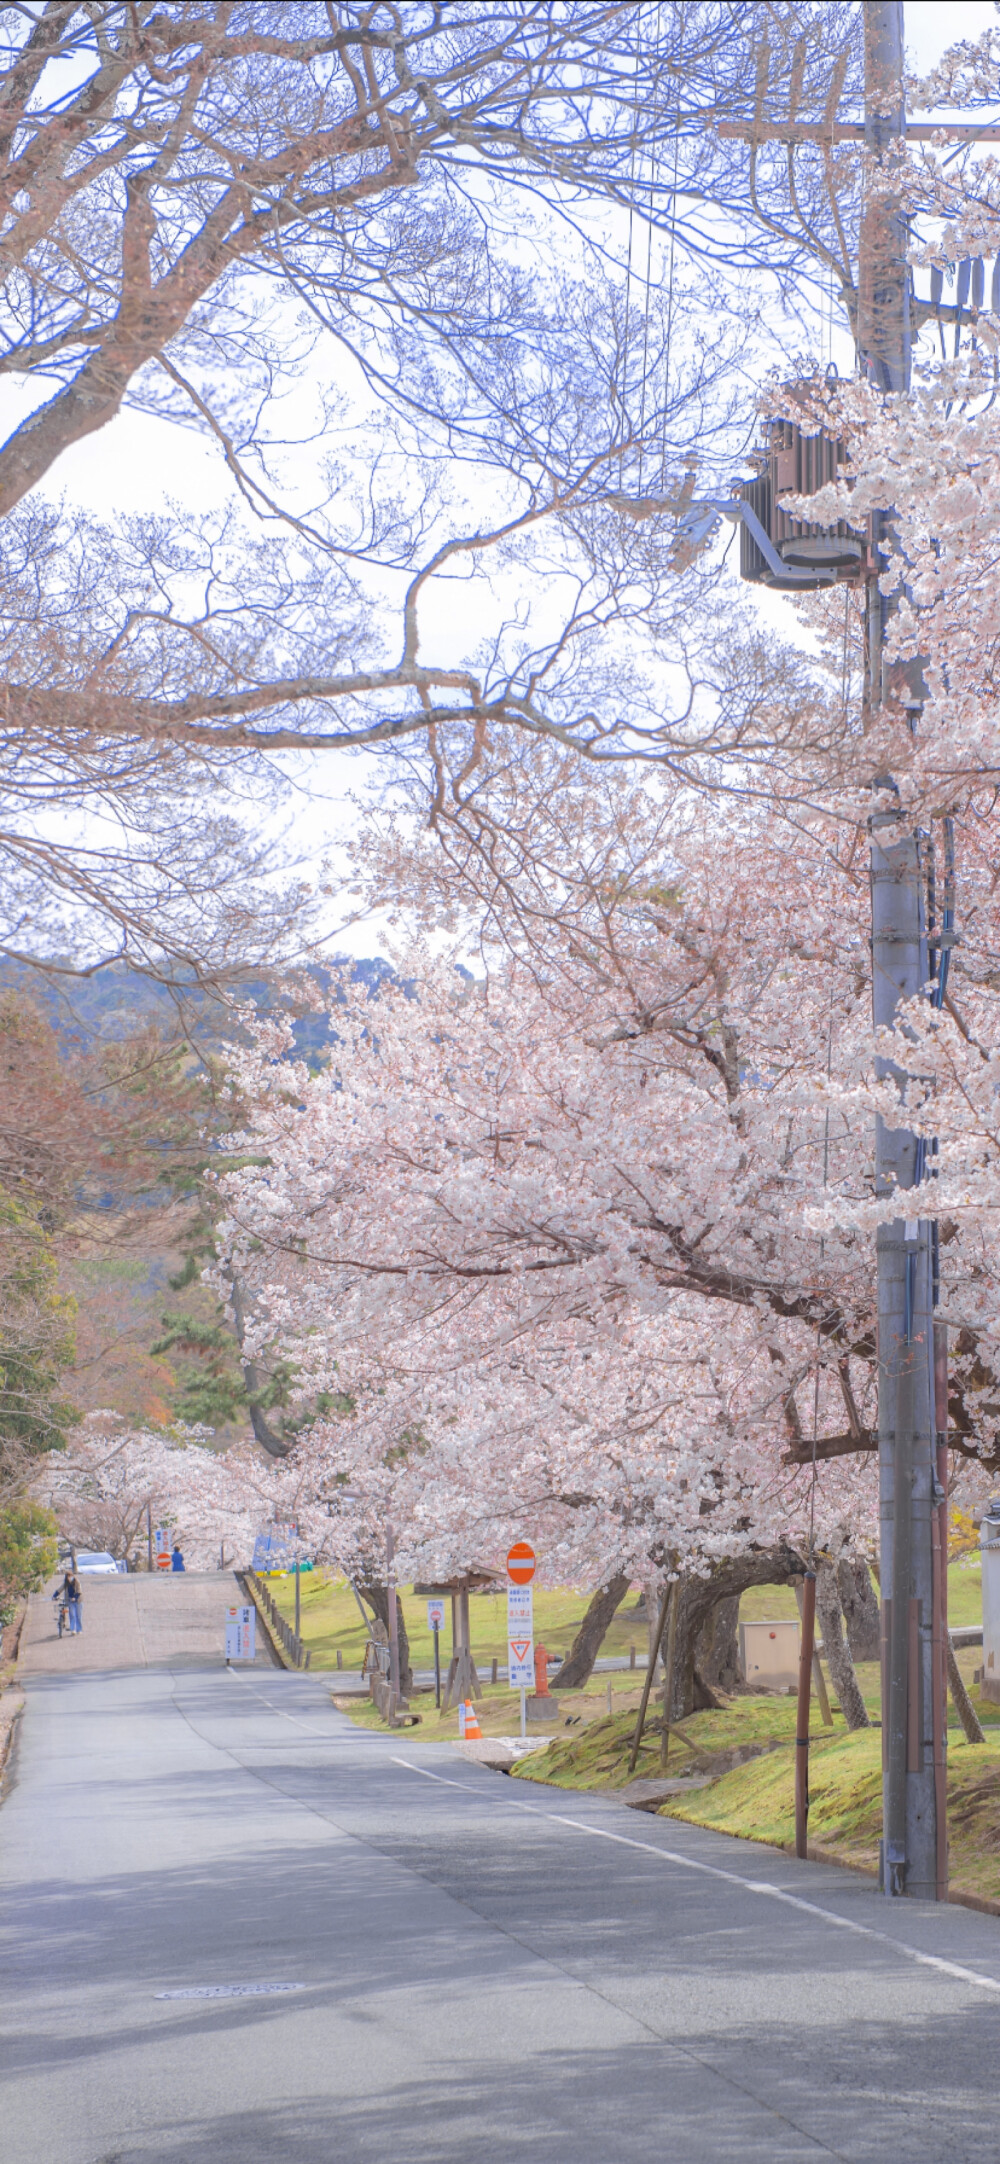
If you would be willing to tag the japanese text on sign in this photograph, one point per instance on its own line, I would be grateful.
(520, 1636)
(241, 1634)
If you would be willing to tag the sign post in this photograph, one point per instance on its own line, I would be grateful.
(435, 1618)
(520, 1623)
(241, 1634)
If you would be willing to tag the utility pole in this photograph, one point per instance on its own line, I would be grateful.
(912, 1354)
(914, 1850)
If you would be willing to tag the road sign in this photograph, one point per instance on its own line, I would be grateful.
(435, 1615)
(521, 1563)
(520, 1636)
(241, 1634)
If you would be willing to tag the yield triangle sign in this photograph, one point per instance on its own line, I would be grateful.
(519, 1647)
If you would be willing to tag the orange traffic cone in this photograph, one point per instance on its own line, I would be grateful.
(473, 1732)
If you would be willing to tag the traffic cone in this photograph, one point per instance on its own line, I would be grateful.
(473, 1732)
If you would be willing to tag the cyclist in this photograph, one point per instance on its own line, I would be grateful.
(70, 1593)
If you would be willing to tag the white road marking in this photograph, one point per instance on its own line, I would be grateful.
(730, 1878)
(226, 1991)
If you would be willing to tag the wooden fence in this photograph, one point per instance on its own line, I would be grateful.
(290, 1650)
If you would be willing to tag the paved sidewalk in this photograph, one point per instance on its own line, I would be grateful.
(172, 1619)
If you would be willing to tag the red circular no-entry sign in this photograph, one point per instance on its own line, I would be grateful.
(521, 1563)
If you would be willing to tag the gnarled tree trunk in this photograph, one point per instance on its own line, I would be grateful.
(717, 1654)
(376, 1594)
(699, 1600)
(579, 1662)
(836, 1648)
(859, 1602)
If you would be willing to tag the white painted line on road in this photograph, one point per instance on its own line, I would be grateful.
(226, 1991)
(280, 1711)
(731, 1878)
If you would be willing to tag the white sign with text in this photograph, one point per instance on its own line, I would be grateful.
(241, 1634)
(520, 1638)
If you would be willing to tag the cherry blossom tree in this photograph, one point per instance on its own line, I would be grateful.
(378, 262)
(543, 1234)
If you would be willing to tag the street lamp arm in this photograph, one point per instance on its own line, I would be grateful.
(695, 526)
(699, 519)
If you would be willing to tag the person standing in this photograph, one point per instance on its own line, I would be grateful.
(176, 1559)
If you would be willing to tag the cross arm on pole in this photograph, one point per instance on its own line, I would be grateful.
(853, 131)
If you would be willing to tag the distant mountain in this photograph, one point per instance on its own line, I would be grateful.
(116, 999)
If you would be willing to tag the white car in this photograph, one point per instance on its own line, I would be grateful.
(97, 1561)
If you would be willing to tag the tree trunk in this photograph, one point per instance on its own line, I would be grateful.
(961, 1701)
(376, 1594)
(859, 1602)
(255, 1383)
(717, 1655)
(837, 1650)
(699, 1598)
(579, 1662)
(648, 1611)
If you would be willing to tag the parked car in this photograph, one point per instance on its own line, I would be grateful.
(97, 1561)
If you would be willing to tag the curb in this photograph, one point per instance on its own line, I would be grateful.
(9, 1731)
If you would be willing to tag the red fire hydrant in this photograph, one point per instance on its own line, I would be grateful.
(541, 1673)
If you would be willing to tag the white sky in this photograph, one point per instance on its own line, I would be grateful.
(933, 25)
(133, 463)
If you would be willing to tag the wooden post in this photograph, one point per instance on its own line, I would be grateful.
(463, 1680)
(668, 1683)
(818, 1677)
(648, 1684)
(390, 1591)
(941, 1641)
(802, 1717)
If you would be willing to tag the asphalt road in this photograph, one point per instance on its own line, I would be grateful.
(171, 1619)
(487, 1968)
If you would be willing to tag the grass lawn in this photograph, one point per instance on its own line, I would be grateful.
(773, 1603)
(756, 1802)
(330, 1620)
(499, 1710)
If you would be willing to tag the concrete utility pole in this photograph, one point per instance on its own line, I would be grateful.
(910, 1495)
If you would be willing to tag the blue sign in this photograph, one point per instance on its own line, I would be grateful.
(274, 1549)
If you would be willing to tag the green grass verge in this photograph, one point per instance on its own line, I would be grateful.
(499, 1710)
(756, 1801)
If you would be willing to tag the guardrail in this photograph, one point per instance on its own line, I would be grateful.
(290, 1649)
